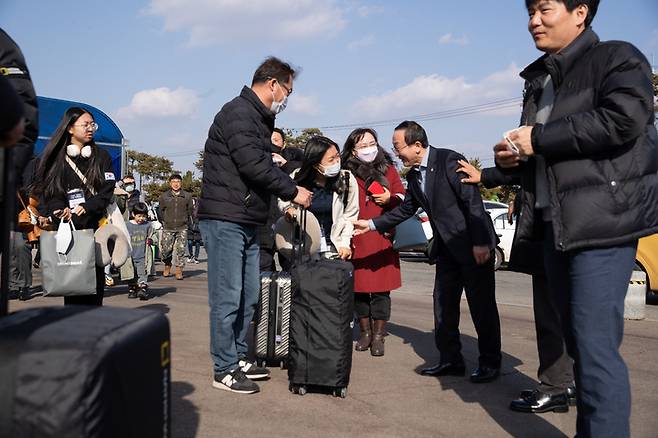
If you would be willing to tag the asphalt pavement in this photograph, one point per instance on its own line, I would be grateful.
(386, 396)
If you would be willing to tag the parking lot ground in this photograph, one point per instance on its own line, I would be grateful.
(386, 396)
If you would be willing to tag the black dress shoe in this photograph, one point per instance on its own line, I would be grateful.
(444, 369)
(485, 374)
(13, 294)
(538, 402)
(570, 392)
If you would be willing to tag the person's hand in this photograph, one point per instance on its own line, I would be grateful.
(290, 214)
(43, 222)
(344, 253)
(481, 254)
(522, 138)
(64, 214)
(361, 226)
(304, 197)
(504, 157)
(12, 136)
(510, 213)
(382, 198)
(79, 210)
(278, 159)
(473, 173)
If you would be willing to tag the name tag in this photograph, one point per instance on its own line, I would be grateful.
(75, 197)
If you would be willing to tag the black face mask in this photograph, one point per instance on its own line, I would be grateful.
(276, 149)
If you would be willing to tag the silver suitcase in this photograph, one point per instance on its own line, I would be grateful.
(272, 327)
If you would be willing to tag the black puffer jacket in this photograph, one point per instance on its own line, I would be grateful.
(238, 173)
(599, 143)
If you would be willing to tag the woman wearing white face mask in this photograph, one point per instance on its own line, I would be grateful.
(335, 195)
(62, 191)
(376, 263)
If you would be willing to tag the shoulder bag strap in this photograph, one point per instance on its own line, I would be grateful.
(80, 175)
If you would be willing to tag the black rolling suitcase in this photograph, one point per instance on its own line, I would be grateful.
(321, 322)
(79, 371)
(273, 319)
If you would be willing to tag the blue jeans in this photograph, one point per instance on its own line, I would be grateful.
(589, 287)
(233, 288)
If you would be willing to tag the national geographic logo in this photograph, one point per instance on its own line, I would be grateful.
(165, 354)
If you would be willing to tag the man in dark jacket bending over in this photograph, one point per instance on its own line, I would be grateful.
(586, 154)
(239, 178)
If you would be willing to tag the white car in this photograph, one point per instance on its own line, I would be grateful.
(505, 232)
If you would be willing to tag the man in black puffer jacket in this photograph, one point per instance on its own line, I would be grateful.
(239, 178)
(590, 191)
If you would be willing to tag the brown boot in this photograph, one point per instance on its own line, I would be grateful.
(179, 273)
(379, 330)
(167, 271)
(366, 335)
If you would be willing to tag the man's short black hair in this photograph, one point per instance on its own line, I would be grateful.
(592, 5)
(280, 132)
(413, 133)
(175, 176)
(139, 208)
(273, 68)
(129, 176)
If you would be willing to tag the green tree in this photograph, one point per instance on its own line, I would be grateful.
(199, 163)
(299, 140)
(191, 184)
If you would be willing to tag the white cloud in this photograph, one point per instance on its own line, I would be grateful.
(232, 21)
(366, 41)
(451, 39)
(433, 93)
(160, 103)
(306, 105)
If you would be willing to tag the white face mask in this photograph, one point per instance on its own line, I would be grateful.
(332, 170)
(277, 107)
(367, 155)
(73, 151)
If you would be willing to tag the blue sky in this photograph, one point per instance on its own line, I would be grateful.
(163, 68)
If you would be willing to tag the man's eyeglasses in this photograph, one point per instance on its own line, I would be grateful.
(288, 90)
(93, 126)
(398, 150)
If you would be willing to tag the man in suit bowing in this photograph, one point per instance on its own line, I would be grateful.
(464, 239)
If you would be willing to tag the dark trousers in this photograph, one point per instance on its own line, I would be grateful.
(589, 287)
(555, 372)
(91, 300)
(376, 305)
(478, 281)
(20, 262)
(267, 263)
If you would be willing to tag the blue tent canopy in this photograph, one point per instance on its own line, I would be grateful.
(108, 136)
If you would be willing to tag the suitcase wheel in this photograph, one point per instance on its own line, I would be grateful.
(301, 389)
(340, 392)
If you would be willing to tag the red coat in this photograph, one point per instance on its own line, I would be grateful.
(376, 263)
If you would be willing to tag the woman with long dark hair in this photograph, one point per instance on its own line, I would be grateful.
(376, 263)
(62, 191)
(335, 195)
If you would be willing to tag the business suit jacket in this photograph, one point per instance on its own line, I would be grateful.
(456, 211)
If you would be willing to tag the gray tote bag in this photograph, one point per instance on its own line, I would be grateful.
(70, 269)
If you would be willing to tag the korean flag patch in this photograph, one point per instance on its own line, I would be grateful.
(109, 176)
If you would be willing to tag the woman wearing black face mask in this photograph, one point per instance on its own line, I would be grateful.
(376, 263)
(62, 191)
(335, 195)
